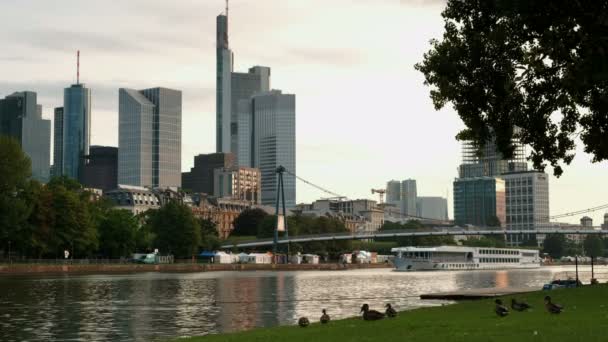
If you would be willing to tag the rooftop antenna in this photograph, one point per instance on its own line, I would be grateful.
(78, 67)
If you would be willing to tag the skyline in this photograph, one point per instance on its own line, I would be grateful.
(368, 57)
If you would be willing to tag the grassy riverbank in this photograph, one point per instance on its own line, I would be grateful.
(585, 319)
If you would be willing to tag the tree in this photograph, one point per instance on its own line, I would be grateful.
(176, 229)
(530, 241)
(246, 224)
(15, 170)
(554, 245)
(537, 65)
(593, 245)
(210, 240)
(117, 233)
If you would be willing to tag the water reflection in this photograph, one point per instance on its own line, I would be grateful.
(151, 306)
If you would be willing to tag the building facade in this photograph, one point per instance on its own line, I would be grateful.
(58, 142)
(21, 119)
(135, 199)
(267, 124)
(149, 137)
(200, 178)
(241, 183)
(527, 203)
(393, 193)
(361, 215)
(409, 194)
(101, 168)
(76, 129)
(480, 201)
(435, 208)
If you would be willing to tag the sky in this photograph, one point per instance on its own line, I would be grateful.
(364, 116)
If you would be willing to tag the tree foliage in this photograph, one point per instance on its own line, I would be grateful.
(210, 240)
(415, 225)
(117, 233)
(538, 65)
(594, 246)
(554, 245)
(176, 230)
(246, 224)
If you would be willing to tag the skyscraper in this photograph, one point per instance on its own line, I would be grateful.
(101, 169)
(149, 137)
(21, 119)
(393, 193)
(432, 208)
(58, 142)
(409, 193)
(527, 202)
(76, 129)
(480, 201)
(267, 139)
(231, 87)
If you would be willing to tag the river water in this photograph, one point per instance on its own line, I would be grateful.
(157, 306)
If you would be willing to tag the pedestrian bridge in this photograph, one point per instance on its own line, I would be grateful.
(407, 233)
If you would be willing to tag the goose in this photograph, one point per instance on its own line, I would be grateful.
(325, 317)
(390, 312)
(500, 309)
(552, 307)
(371, 315)
(519, 306)
(303, 322)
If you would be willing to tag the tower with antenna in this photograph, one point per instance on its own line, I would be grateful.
(78, 67)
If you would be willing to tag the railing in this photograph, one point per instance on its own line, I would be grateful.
(87, 261)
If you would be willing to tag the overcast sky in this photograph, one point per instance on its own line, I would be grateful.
(363, 114)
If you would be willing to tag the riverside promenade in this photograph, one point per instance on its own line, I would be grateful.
(114, 268)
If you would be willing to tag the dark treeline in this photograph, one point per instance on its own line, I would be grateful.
(44, 220)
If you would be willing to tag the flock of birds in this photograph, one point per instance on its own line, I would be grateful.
(368, 315)
(500, 309)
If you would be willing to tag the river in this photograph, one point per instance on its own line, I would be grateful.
(157, 306)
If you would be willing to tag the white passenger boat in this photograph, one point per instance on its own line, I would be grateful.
(463, 258)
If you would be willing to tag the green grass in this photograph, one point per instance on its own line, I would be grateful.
(585, 318)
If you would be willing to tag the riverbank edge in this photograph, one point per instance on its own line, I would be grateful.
(452, 323)
(27, 269)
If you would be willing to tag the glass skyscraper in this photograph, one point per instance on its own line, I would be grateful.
(268, 140)
(149, 137)
(21, 119)
(76, 129)
(231, 87)
(479, 201)
(58, 142)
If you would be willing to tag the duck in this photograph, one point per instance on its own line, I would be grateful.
(371, 315)
(303, 322)
(390, 312)
(519, 306)
(325, 317)
(500, 309)
(553, 307)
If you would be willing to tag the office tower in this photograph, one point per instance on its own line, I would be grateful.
(231, 87)
(479, 201)
(58, 142)
(408, 197)
(393, 193)
(240, 183)
(489, 162)
(267, 139)
(149, 137)
(21, 119)
(435, 208)
(527, 201)
(200, 177)
(101, 169)
(76, 129)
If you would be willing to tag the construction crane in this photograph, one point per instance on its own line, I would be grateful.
(380, 193)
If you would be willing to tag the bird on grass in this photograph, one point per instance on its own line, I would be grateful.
(371, 315)
(303, 322)
(500, 309)
(325, 317)
(552, 307)
(519, 306)
(390, 312)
